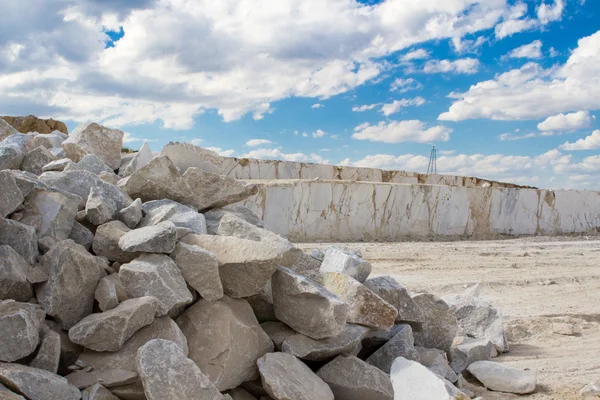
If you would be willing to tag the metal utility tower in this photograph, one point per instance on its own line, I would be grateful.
(432, 167)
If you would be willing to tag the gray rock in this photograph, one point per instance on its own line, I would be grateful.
(98, 392)
(109, 378)
(58, 152)
(34, 160)
(286, 377)
(91, 138)
(213, 217)
(240, 394)
(245, 266)
(309, 349)
(391, 291)
(124, 359)
(20, 237)
(131, 215)
(365, 307)
(92, 163)
(13, 276)
(227, 354)
(307, 307)
(57, 165)
(262, 304)
(109, 177)
(48, 354)
(6, 394)
(11, 156)
(45, 244)
(466, 351)
(53, 212)
(167, 374)
(374, 339)
(412, 380)
(350, 378)
(19, 329)
(106, 294)
(6, 130)
(158, 214)
(440, 326)
(99, 208)
(11, 196)
(27, 182)
(106, 242)
(49, 140)
(134, 391)
(186, 155)
(200, 269)
(81, 235)
(69, 352)
(156, 275)
(212, 190)
(36, 383)
(140, 159)
(437, 363)
(502, 378)
(278, 332)
(401, 345)
(339, 260)
(159, 238)
(108, 331)
(183, 216)
(68, 295)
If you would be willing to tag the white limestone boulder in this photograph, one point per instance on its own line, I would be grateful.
(19, 329)
(200, 269)
(465, 351)
(106, 242)
(91, 163)
(57, 165)
(160, 238)
(91, 138)
(34, 160)
(338, 260)
(186, 155)
(132, 214)
(310, 349)
(440, 326)
(34, 383)
(502, 378)
(168, 210)
(140, 159)
(51, 212)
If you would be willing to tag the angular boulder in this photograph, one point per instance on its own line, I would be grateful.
(53, 211)
(106, 242)
(82, 235)
(106, 293)
(200, 269)
(6, 129)
(19, 329)
(91, 138)
(468, 351)
(57, 165)
(98, 392)
(13, 276)
(48, 354)
(92, 163)
(22, 238)
(401, 345)
(36, 383)
(167, 374)
(34, 160)
(503, 378)
(140, 159)
(306, 306)
(345, 262)
(440, 326)
(435, 360)
(131, 215)
(11, 196)
(86, 377)
(181, 215)
(186, 155)
(278, 332)
(391, 291)
(99, 208)
(228, 352)
(160, 238)
(309, 349)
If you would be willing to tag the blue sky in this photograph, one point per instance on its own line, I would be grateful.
(506, 90)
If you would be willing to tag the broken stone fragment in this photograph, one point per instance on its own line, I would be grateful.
(98, 392)
(57, 165)
(131, 215)
(350, 378)
(34, 160)
(108, 331)
(309, 349)
(106, 242)
(365, 307)
(155, 214)
(13, 275)
(51, 212)
(503, 378)
(6, 394)
(6, 130)
(160, 238)
(440, 326)
(109, 378)
(437, 363)
(106, 294)
(91, 138)
(48, 354)
(156, 275)
(227, 355)
(200, 269)
(412, 380)
(167, 374)
(345, 262)
(262, 304)
(278, 332)
(91, 163)
(22, 238)
(467, 351)
(99, 208)
(391, 291)
(183, 216)
(240, 394)
(81, 235)
(401, 345)
(245, 266)
(140, 159)
(36, 383)
(11, 196)
(19, 329)
(186, 155)
(68, 295)
(306, 306)
(214, 216)
(286, 377)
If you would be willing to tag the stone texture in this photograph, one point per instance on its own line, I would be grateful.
(338, 260)
(6, 394)
(214, 216)
(13, 276)
(374, 339)
(182, 216)
(37, 383)
(108, 331)
(51, 212)
(140, 159)
(212, 190)
(57, 165)
(186, 155)
(307, 307)
(99, 208)
(156, 275)
(365, 307)
(502, 378)
(6, 129)
(11, 155)
(435, 360)
(11, 196)
(31, 123)
(106, 242)
(131, 215)
(262, 304)
(287, 378)
(48, 354)
(108, 378)
(91, 138)
(391, 291)
(350, 378)
(98, 392)
(19, 329)
(20, 237)
(200, 269)
(440, 326)
(160, 238)
(68, 295)
(240, 394)
(468, 351)
(245, 266)
(34, 160)
(106, 294)
(82, 235)
(27, 182)
(167, 374)
(278, 332)
(412, 380)
(124, 359)
(401, 345)
(309, 349)
(227, 353)
(92, 163)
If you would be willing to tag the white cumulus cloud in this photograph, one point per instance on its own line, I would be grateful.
(396, 105)
(318, 133)
(277, 154)
(221, 152)
(590, 142)
(401, 131)
(418, 54)
(531, 50)
(460, 66)
(257, 142)
(567, 122)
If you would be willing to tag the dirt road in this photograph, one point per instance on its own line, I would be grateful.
(548, 290)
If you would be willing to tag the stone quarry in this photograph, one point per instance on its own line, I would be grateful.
(172, 276)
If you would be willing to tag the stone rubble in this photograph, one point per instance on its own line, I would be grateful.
(139, 277)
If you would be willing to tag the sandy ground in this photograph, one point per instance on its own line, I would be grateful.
(545, 287)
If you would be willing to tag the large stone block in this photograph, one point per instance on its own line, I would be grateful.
(91, 138)
(11, 196)
(440, 326)
(13, 276)
(19, 329)
(37, 383)
(200, 269)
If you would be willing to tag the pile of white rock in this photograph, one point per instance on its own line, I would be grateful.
(136, 277)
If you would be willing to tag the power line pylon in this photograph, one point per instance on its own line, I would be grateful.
(432, 167)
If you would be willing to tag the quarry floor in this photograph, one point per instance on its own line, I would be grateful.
(541, 284)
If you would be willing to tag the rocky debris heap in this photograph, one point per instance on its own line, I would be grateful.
(31, 123)
(136, 277)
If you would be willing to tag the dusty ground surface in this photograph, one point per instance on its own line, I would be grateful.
(546, 287)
